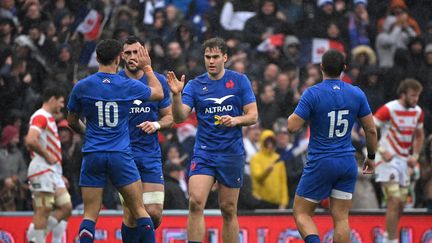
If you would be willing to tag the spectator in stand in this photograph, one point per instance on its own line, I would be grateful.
(269, 180)
(174, 195)
(358, 24)
(370, 81)
(284, 95)
(271, 71)
(395, 34)
(266, 103)
(363, 56)
(13, 172)
(7, 31)
(292, 150)
(264, 24)
(234, 15)
(176, 59)
(251, 144)
(425, 77)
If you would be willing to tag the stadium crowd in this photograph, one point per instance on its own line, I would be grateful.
(52, 42)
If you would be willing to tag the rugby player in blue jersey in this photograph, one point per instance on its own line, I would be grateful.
(224, 102)
(331, 107)
(104, 99)
(146, 118)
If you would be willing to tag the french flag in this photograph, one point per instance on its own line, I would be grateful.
(271, 43)
(91, 25)
(313, 49)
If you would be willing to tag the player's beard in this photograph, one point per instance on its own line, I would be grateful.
(133, 70)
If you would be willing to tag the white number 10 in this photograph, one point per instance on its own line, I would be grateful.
(107, 119)
(339, 122)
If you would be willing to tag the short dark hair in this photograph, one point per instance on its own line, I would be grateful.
(409, 84)
(215, 43)
(107, 51)
(132, 39)
(52, 91)
(333, 63)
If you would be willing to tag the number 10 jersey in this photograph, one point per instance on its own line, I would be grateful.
(104, 100)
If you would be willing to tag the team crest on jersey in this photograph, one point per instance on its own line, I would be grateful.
(106, 81)
(193, 166)
(229, 84)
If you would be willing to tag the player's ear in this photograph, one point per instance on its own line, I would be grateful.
(225, 57)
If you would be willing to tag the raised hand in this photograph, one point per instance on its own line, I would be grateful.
(175, 85)
(143, 57)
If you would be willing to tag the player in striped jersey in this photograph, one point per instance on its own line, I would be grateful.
(401, 126)
(45, 171)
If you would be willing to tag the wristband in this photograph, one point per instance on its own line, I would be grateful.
(156, 125)
(415, 156)
(148, 69)
(371, 156)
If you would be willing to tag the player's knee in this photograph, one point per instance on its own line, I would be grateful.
(228, 209)
(155, 212)
(64, 203)
(196, 205)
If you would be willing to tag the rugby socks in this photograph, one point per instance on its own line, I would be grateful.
(58, 232)
(312, 239)
(129, 235)
(39, 235)
(145, 230)
(31, 233)
(51, 223)
(86, 231)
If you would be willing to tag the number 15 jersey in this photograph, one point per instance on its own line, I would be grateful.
(332, 107)
(104, 100)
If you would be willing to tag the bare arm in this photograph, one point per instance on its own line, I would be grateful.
(144, 62)
(417, 146)
(295, 123)
(165, 121)
(75, 123)
(371, 141)
(249, 117)
(180, 111)
(32, 142)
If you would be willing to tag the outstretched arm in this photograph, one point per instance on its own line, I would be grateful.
(180, 111)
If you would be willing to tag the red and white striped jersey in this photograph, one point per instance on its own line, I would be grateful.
(398, 125)
(45, 123)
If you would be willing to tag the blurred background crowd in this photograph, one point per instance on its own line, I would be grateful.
(277, 43)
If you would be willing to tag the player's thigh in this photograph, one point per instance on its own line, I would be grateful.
(43, 203)
(122, 169)
(228, 198)
(92, 198)
(153, 194)
(303, 206)
(199, 188)
(339, 208)
(132, 195)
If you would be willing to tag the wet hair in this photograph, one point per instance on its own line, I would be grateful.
(215, 43)
(333, 63)
(409, 84)
(132, 40)
(107, 51)
(52, 91)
